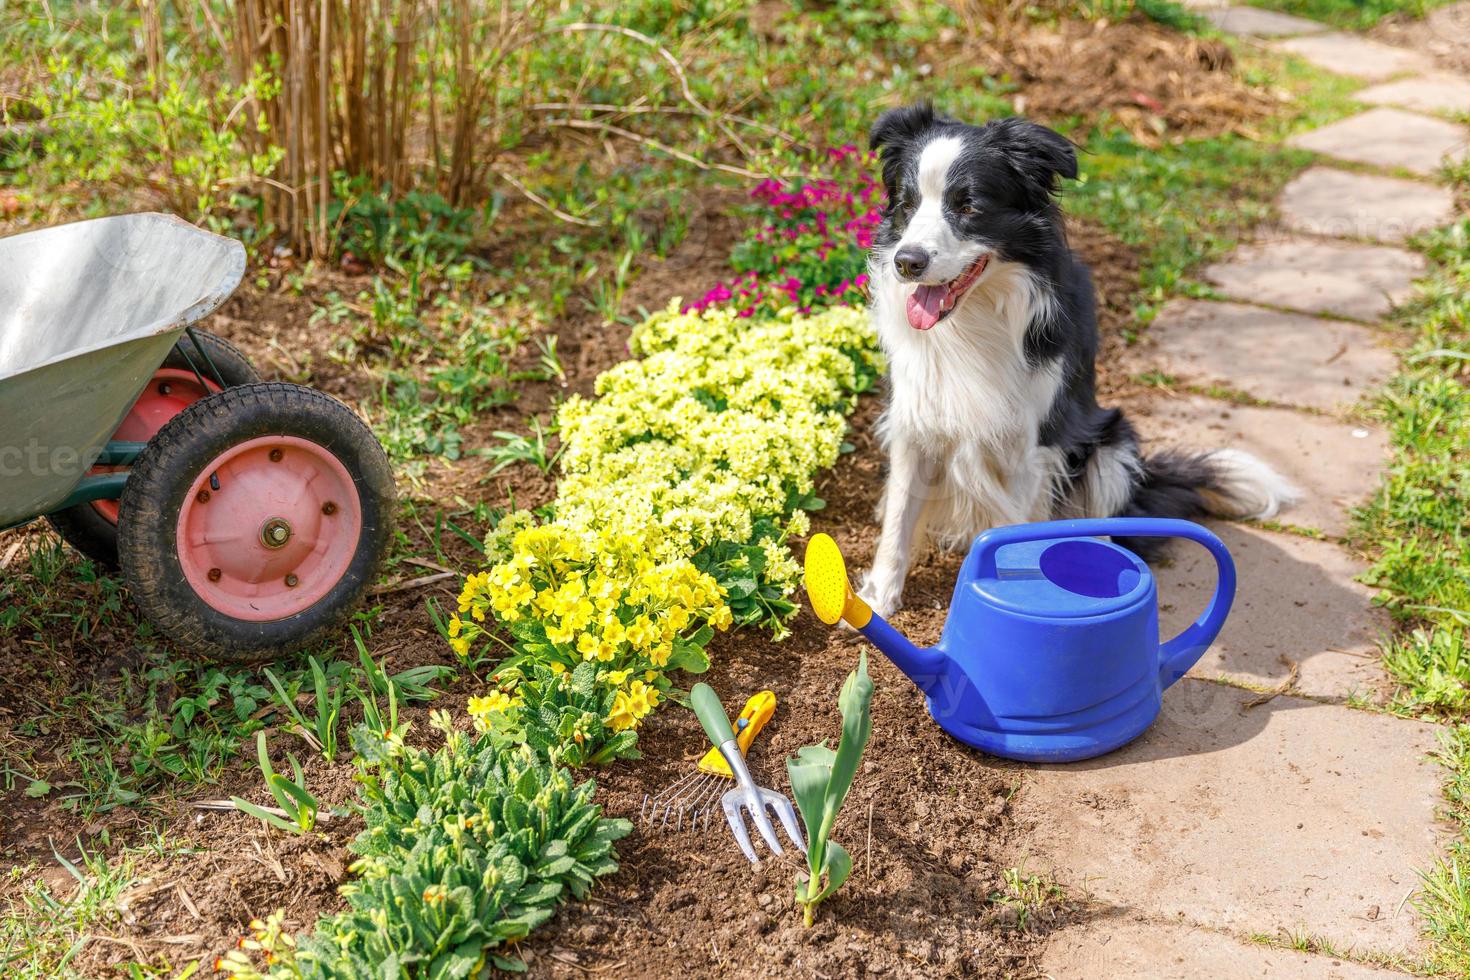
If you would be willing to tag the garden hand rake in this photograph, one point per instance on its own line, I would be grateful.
(694, 795)
(746, 795)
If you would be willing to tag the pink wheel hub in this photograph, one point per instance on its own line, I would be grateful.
(170, 392)
(268, 528)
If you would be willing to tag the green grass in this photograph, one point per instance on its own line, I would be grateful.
(42, 933)
(1351, 15)
(1444, 899)
(1419, 522)
(1418, 528)
(126, 737)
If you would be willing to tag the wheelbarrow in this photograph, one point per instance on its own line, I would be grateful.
(248, 518)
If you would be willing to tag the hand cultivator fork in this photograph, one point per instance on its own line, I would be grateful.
(691, 798)
(746, 795)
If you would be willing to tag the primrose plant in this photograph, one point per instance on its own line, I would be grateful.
(820, 779)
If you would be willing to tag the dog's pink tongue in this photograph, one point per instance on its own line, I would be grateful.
(925, 305)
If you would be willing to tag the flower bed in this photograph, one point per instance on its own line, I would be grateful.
(811, 251)
(681, 482)
(680, 485)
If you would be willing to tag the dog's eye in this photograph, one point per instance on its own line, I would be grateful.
(968, 209)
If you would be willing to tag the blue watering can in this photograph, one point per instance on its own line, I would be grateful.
(1051, 650)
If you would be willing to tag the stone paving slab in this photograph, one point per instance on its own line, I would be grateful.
(1430, 92)
(1357, 57)
(1347, 279)
(1388, 138)
(1115, 946)
(1255, 22)
(1290, 358)
(1296, 599)
(1289, 815)
(1340, 204)
(1335, 464)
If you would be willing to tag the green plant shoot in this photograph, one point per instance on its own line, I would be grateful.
(296, 802)
(820, 779)
(320, 731)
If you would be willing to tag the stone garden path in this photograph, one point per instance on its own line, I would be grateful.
(1270, 799)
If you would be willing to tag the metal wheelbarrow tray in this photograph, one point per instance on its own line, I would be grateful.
(247, 517)
(88, 311)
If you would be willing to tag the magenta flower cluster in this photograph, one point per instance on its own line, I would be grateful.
(811, 249)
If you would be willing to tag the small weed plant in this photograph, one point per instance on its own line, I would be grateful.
(299, 807)
(319, 731)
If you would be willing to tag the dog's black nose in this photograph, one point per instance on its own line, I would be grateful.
(911, 261)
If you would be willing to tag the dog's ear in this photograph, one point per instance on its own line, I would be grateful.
(898, 126)
(1042, 155)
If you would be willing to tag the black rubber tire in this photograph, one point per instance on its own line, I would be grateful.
(89, 531)
(174, 459)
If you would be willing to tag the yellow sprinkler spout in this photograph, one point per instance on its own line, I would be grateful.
(827, 587)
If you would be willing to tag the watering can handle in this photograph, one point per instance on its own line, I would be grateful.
(1177, 655)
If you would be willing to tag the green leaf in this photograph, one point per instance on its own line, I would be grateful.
(821, 778)
(839, 869)
(857, 724)
(810, 771)
(37, 788)
(687, 656)
(245, 806)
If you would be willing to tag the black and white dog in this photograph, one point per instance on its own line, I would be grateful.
(988, 323)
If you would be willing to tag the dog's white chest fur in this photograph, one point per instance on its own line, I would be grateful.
(964, 401)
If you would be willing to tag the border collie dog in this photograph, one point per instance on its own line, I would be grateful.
(988, 323)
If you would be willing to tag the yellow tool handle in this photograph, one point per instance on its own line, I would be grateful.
(753, 718)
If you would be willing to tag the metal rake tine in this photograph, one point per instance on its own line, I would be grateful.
(660, 803)
(713, 790)
(676, 803)
(787, 814)
(737, 827)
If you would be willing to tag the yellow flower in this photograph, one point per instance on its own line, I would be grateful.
(621, 717)
(642, 698)
(630, 706)
(481, 709)
(699, 441)
(659, 655)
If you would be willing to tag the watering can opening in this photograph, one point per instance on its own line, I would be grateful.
(1090, 568)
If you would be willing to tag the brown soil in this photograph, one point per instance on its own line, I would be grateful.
(926, 822)
(1443, 34)
(1161, 85)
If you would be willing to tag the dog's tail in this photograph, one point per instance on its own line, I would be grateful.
(1220, 482)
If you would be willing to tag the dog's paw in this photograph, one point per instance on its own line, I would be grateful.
(881, 595)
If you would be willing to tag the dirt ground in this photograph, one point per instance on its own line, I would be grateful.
(1443, 34)
(1160, 85)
